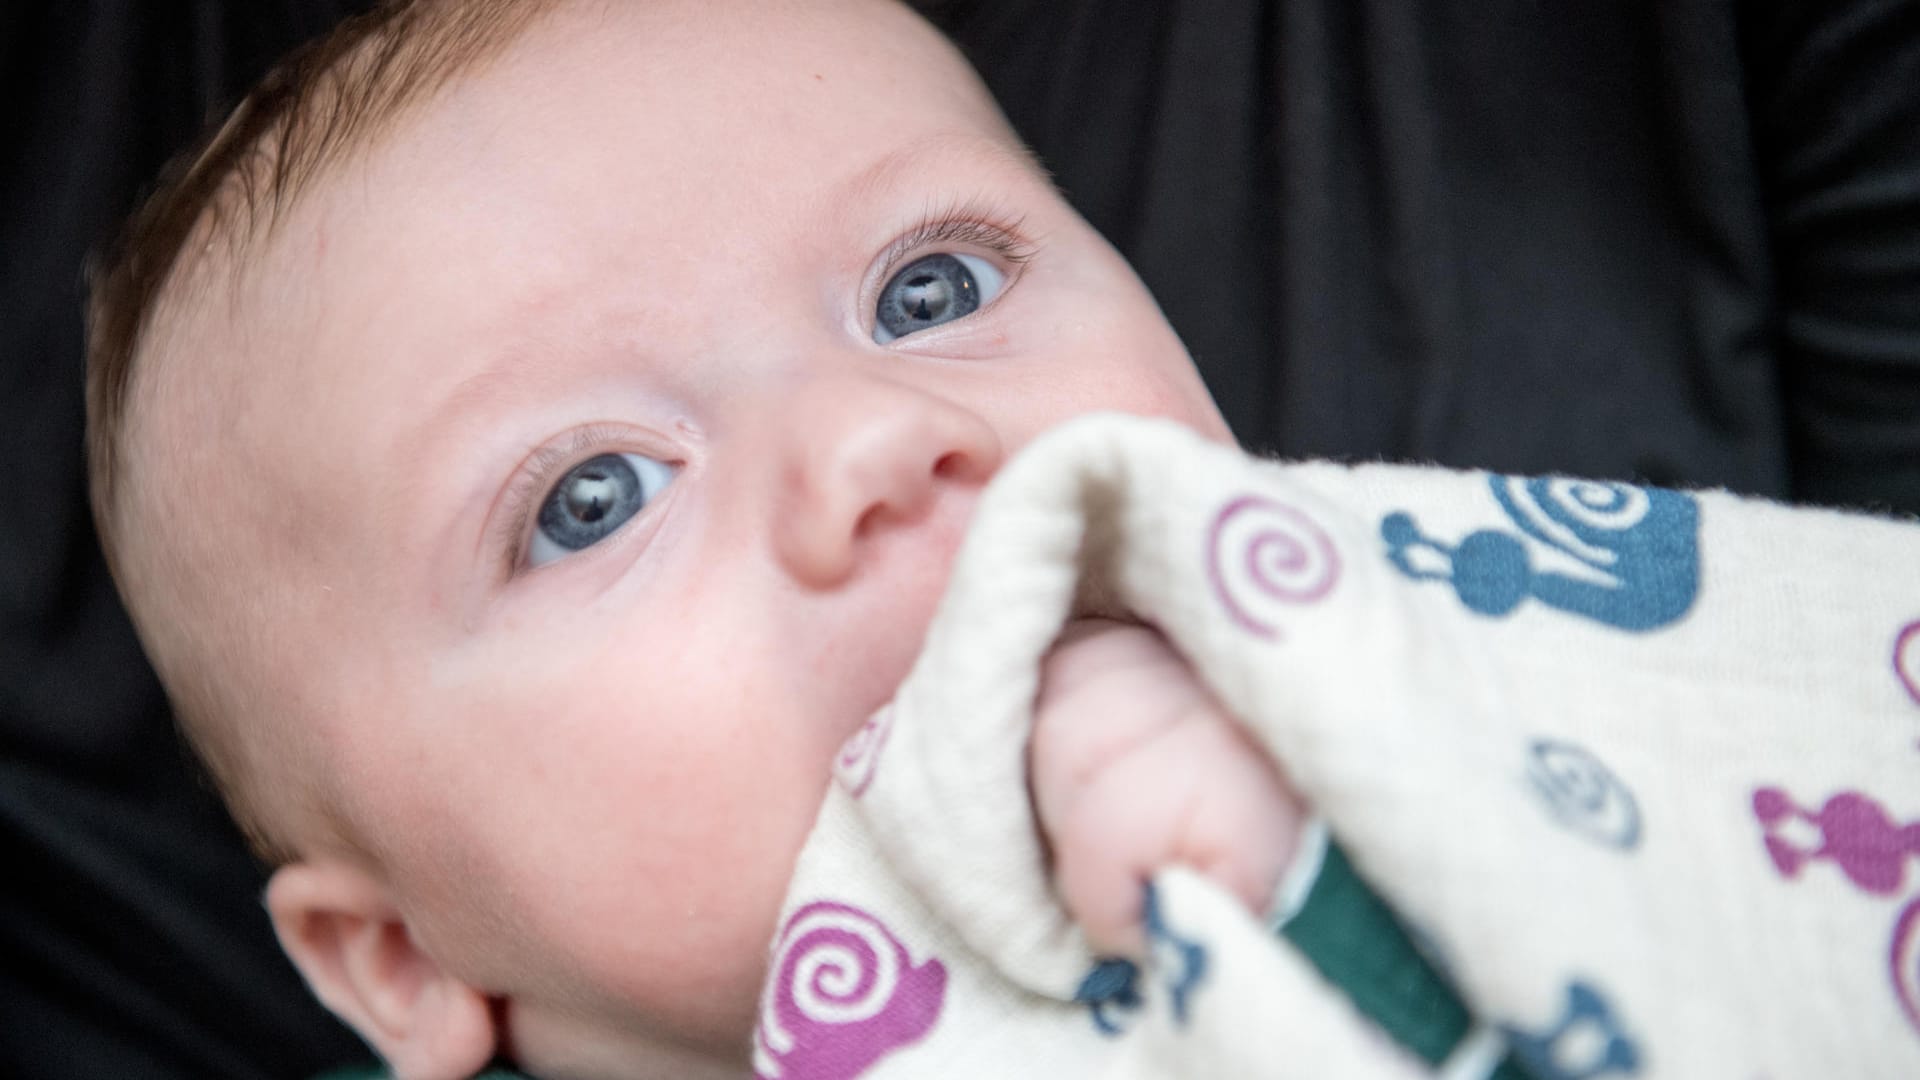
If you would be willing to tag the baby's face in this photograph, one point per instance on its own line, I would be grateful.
(632, 398)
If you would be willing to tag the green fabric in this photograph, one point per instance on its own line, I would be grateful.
(1351, 936)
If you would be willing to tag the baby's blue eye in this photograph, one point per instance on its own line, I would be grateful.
(593, 499)
(932, 290)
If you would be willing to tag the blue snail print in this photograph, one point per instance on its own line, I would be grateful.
(1586, 1043)
(1639, 547)
(1113, 987)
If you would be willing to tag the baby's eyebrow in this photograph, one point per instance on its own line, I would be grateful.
(507, 375)
(526, 366)
(910, 161)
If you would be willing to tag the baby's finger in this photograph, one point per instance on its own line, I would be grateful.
(1107, 840)
(1244, 827)
(1195, 795)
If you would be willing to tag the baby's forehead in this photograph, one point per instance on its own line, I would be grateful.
(413, 254)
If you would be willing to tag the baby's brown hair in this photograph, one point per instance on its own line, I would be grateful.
(327, 100)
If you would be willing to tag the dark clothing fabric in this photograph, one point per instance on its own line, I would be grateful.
(1673, 240)
(133, 943)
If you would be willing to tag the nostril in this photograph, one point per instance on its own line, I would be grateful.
(953, 466)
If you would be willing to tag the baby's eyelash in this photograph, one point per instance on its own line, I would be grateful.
(536, 476)
(975, 224)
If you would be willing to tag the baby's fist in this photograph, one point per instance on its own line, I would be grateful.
(1135, 765)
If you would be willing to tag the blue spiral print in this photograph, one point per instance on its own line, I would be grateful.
(1583, 794)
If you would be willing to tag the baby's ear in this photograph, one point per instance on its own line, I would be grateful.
(340, 926)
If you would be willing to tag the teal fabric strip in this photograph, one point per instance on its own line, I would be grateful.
(1347, 932)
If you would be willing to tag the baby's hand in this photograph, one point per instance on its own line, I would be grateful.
(1134, 765)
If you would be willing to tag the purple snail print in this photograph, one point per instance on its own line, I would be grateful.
(1868, 846)
(1856, 835)
(843, 993)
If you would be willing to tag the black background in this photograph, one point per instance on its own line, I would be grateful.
(1672, 240)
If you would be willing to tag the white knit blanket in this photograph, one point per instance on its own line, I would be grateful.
(1639, 770)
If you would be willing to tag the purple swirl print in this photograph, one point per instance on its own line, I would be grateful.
(859, 756)
(843, 993)
(1264, 556)
(1905, 962)
(1906, 659)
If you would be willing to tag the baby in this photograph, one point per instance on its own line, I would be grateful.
(533, 438)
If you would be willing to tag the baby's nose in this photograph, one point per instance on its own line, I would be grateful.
(866, 455)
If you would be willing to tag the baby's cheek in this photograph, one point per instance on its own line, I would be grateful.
(1143, 376)
(860, 648)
